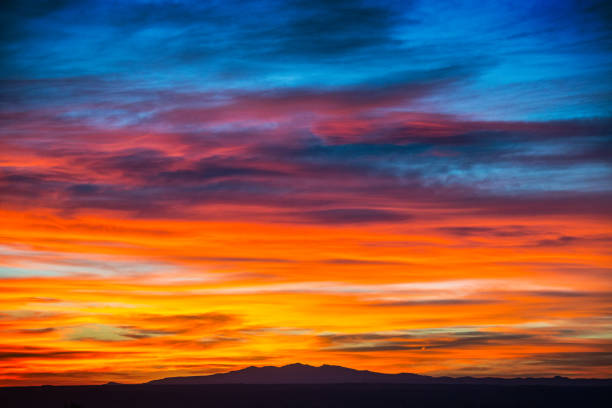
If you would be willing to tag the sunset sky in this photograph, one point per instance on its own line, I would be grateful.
(192, 187)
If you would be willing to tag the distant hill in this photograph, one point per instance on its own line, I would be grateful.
(330, 374)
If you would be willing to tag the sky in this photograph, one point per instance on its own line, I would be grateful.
(192, 187)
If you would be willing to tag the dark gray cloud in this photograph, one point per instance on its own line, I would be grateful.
(46, 354)
(133, 332)
(212, 318)
(38, 331)
(372, 342)
(567, 240)
(438, 302)
(207, 170)
(568, 294)
(506, 231)
(352, 216)
(572, 360)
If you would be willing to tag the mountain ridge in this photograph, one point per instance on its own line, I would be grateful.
(298, 373)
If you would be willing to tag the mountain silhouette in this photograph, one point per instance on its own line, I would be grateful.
(294, 374)
(300, 385)
(330, 374)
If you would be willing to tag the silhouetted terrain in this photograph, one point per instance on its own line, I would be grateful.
(299, 385)
(329, 374)
(307, 395)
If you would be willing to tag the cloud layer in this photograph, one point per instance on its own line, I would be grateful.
(190, 187)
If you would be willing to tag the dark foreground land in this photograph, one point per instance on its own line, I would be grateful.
(305, 395)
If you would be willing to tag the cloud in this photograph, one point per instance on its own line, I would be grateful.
(566, 240)
(353, 216)
(438, 302)
(568, 294)
(11, 355)
(205, 170)
(305, 154)
(503, 231)
(43, 330)
(158, 327)
(427, 291)
(212, 319)
(572, 360)
(43, 300)
(220, 340)
(136, 333)
(44, 353)
(99, 332)
(333, 29)
(297, 31)
(408, 340)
